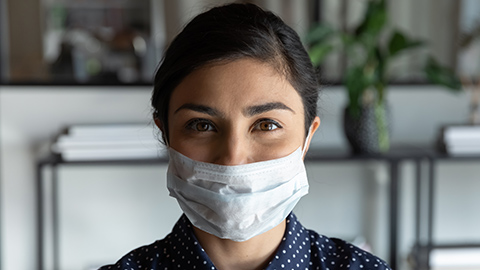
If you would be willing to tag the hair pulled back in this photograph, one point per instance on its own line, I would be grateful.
(228, 33)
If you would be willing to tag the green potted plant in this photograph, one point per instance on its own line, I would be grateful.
(370, 48)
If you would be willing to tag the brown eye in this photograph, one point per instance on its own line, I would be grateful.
(200, 125)
(267, 125)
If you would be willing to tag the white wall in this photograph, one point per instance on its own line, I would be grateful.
(345, 200)
(30, 116)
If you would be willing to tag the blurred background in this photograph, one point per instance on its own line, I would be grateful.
(71, 63)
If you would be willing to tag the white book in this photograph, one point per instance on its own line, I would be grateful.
(108, 142)
(111, 154)
(454, 133)
(463, 142)
(463, 150)
(65, 142)
(458, 259)
(110, 130)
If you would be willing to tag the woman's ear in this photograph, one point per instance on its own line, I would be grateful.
(158, 123)
(313, 129)
(160, 126)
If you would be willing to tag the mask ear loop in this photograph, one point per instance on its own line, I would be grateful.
(304, 149)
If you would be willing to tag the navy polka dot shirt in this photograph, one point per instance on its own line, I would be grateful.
(300, 249)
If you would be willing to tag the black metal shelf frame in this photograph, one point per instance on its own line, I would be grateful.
(424, 187)
(424, 213)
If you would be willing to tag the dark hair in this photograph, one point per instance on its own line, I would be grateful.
(228, 33)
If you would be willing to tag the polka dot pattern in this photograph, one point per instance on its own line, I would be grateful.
(300, 249)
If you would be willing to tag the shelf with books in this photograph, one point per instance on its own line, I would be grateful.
(429, 253)
(107, 142)
(452, 256)
(460, 140)
(420, 156)
(315, 156)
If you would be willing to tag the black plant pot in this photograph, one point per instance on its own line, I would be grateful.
(368, 133)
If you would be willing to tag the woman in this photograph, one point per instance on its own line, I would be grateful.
(235, 99)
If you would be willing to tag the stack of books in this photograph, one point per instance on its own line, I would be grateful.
(460, 140)
(108, 142)
(455, 259)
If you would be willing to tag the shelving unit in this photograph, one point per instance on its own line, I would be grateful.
(392, 159)
(54, 162)
(425, 186)
(424, 222)
(97, 41)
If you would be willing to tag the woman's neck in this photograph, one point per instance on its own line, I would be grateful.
(254, 253)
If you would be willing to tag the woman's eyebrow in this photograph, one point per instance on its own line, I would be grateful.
(258, 109)
(199, 108)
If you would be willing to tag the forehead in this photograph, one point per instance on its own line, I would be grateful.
(239, 82)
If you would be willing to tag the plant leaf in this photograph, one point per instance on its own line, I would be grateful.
(348, 40)
(375, 19)
(356, 83)
(442, 75)
(399, 42)
(380, 78)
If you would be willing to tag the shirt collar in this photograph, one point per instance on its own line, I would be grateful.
(293, 252)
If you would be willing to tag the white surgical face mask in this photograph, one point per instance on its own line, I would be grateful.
(237, 202)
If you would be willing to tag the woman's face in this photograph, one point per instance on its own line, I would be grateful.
(236, 113)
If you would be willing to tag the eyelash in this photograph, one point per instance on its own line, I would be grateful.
(192, 124)
(266, 120)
